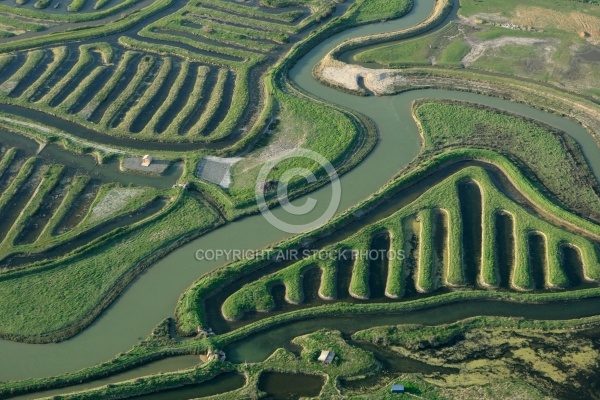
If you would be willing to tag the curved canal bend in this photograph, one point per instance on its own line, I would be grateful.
(154, 294)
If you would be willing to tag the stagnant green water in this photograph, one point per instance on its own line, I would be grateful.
(154, 294)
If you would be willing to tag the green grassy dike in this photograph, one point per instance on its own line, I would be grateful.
(86, 281)
(256, 296)
(190, 313)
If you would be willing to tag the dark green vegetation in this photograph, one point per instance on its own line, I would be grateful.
(485, 350)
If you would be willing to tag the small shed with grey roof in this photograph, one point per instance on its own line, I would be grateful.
(326, 356)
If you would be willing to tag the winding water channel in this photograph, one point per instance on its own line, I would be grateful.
(153, 295)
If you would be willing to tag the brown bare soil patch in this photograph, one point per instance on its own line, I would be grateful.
(575, 22)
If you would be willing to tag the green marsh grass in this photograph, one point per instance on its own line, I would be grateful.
(85, 280)
(166, 105)
(143, 102)
(59, 55)
(144, 68)
(49, 181)
(7, 159)
(34, 58)
(110, 86)
(20, 24)
(215, 33)
(75, 188)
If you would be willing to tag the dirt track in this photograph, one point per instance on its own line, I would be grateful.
(478, 48)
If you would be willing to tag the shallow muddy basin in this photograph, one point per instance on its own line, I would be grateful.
(220, 384)
(590, 55)
(284, 386)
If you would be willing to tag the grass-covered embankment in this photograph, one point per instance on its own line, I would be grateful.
(87, 281)
(256, 296)
(420, 50)
(546, 154)
(342, 136)
(441, 10)
(190, 308)
(467, 346)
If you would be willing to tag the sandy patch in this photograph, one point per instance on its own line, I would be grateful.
(378, 81)
(478, 48)
(113, 201)
(570, 22)
(288, 138)
(216, 170)
(476, 19)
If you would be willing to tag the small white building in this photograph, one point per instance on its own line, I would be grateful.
(146, 160)
(326, 357)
